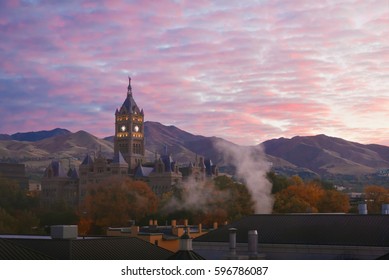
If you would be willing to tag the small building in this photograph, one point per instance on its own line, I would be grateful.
(185, 251)
(165, 236)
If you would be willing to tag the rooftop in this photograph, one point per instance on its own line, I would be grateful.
(313, 229)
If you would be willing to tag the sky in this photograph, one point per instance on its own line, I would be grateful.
(245, 71)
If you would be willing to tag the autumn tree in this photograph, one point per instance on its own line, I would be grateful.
(115, 201)
(310, 197)
(333, 201)
(375, 196)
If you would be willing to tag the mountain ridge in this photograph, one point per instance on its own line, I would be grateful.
(33, 136)
(308, 156)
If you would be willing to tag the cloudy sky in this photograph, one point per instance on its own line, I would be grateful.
(246, 71)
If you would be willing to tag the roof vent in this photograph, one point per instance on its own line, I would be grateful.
(64, 232)
(362, 209)
(385, 209)
(232, 234)
(253, 243)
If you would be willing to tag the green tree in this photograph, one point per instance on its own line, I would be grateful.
(17, 209)
(279, 182)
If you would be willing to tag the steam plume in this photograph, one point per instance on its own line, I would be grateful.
(251, 168)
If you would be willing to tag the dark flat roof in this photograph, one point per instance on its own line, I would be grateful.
(110, 248)
(13, 251)
(315, 229)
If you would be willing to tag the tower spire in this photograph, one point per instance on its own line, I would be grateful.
(129, 89)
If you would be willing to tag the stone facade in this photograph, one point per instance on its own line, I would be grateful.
(162, 175)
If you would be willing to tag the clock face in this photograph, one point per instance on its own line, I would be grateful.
(123, 128)
(136, 128)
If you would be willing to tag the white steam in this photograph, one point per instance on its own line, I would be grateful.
(195, 195)
(251, 168)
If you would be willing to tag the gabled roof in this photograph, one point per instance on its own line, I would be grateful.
(12, 251)
(142, 172)
(56, 169)
(168, 162)
(119, 159)
(208, 166)
(72, 173)
(87, 160)
(105, 248)
(129, 106)
(314, 229)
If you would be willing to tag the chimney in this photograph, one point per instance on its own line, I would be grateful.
(200, 228)
(185, 222)
(253, 243)
(232, 234)
(362, 209)
(385, 209)
(215, 225)
(134, 230)
(151, 222)
(185, 242)
(174, 223)
(155, 223)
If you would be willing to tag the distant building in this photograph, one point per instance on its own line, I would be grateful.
(129, 137)
(15, 172)
(59, 187)
(162, 174)
(94, 170)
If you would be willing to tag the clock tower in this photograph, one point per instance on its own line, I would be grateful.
(129, 131)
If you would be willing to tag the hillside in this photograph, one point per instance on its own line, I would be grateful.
(70, 148)
(34, 136)
(335, 159)
(329, 155)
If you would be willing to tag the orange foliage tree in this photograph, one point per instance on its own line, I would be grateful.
(309, 197)
(333, 201)
(375, 196)
(115, 201)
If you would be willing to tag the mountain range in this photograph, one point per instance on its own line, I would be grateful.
(341, 161)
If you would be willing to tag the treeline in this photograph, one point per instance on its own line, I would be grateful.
(17, 209)
(293, 195)
(118, 201)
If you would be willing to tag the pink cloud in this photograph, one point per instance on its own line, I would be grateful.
(244, 71)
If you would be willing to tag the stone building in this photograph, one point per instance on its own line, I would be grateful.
(59, 187)
(94, 170)
(162, 174)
